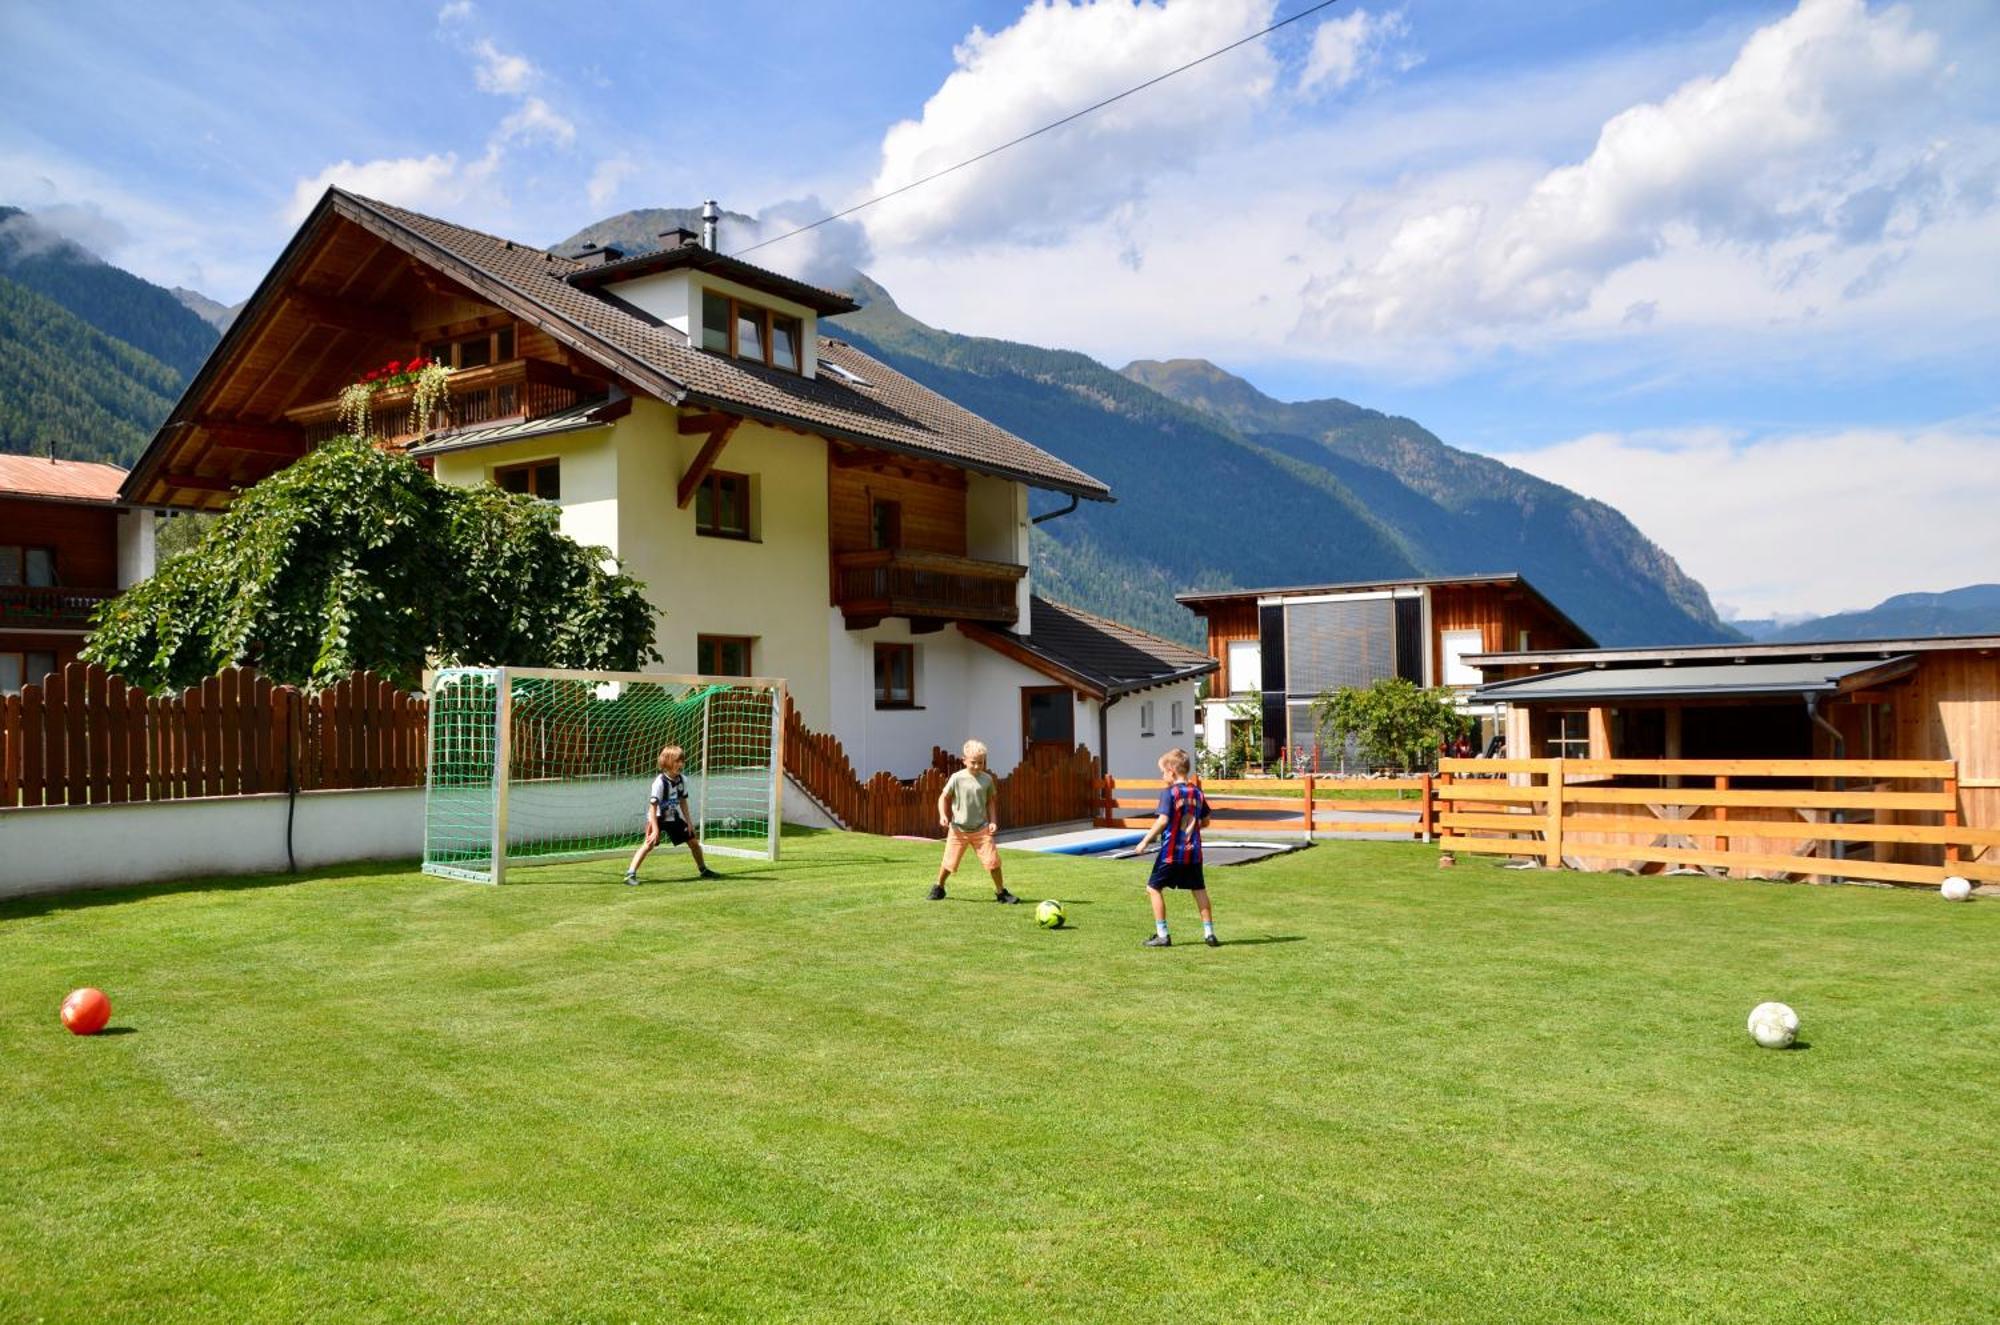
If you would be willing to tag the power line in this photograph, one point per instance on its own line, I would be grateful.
(1307, 12)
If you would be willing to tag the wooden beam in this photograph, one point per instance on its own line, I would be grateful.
(257, 438)
(347, 314)
(708, 421)
(704, 461)
(197, 483)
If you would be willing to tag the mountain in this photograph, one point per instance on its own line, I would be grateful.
(67, 387)
(212, 311)
(1972, 610)
(1459, 512)
(1219, 486)
(109, 298)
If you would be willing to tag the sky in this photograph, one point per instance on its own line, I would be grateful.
(1733, 268)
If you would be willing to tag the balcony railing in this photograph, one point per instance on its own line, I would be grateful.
(869, 586)
(59, 608)
(494, 393)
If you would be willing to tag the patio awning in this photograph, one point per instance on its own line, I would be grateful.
(1614, 685)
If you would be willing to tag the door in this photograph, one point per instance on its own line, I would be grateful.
(1048, 720)
(886, 526)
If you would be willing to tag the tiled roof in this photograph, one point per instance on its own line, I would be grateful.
(704, 259)
(1116, 658)
(885, 409)
(71, 480)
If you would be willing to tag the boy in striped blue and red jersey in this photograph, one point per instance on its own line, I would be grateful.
(1183, 813)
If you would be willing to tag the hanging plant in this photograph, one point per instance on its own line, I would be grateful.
(429, 394)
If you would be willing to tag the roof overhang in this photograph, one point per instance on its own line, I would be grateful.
(693, 257)
(1624, 685)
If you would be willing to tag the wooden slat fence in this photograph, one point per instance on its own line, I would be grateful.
(1130, 802)
(1042, 790)
(87, 737)
(1881, 820)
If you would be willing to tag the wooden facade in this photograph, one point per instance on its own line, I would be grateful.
(43, 625)
(1507, 616)
(1230, 622)
(340, 305)
(896, 532)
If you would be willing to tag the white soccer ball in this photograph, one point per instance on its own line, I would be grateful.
(1773, 1025)
(1956, 889)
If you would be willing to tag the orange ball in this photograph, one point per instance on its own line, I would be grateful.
(85, 1011)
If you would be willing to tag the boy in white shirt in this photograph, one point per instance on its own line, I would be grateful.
(666, 812)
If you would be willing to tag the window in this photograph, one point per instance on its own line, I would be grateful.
(895, 676)
(1569, 736)
(19, 669)
(747, 331)
(34, 567)
(722, 655)
(1048, 719)
(1180, 718)
(474, 351)
(1146, 717)
(1246, 666)
(722, 506)
(885, 525)
(543, 479)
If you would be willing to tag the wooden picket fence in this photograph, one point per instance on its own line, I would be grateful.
(1130, 803)
(1882, 820)
(86, 737)
(1041, 790)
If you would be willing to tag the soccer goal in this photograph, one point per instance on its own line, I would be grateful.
(530, 766)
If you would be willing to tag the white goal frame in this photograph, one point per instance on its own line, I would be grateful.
(502, 788)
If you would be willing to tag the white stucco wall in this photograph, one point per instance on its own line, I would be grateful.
(675, 298)
(996, 529)
(63, 848)
(1134, 754)
(135, 546)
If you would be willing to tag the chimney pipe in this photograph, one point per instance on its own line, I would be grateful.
(710, 216)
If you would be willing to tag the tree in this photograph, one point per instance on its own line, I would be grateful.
(1246, 728)
(1395, 722)
(355, 558)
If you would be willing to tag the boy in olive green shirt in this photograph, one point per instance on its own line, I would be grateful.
(968, 811)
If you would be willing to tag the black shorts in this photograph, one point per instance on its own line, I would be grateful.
(1176, 874)
(674, 830)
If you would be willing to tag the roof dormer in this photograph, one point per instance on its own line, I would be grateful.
(722, 304)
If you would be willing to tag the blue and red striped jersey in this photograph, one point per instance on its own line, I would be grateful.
(1184, 806)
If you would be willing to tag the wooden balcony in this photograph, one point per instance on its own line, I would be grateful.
(924, 586)
(517, 390)
(60, 608)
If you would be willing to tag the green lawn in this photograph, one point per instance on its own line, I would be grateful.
(1397, 1093)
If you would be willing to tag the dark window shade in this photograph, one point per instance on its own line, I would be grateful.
(1271, 643)
(1410, 639)
(1341, 643)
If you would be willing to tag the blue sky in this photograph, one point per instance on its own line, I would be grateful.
(1734, 268)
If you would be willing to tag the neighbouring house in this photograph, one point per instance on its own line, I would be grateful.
(797, 508)
(1927, 698)
(67, 544)
(1291, 645)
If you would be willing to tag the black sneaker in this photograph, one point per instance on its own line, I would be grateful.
(707, 873)
(1005, 897)
(937, 892)
(1211, 940)
(1159, 941)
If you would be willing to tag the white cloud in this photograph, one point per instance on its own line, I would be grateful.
(455, 12)
(1058, 57)
(1347, 47)
(533, 120)
(1813, 522)
(499, 72)
(608, 177)
(1812, 132)
(432, 184)
(827, 254)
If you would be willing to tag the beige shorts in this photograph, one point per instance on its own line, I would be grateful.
(981, 842)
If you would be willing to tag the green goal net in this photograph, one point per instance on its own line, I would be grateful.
(530, 766)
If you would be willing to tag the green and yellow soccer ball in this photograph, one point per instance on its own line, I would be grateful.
(1049, 915)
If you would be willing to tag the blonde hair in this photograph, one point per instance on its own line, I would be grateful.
(973, 750)
(1175, 761)
(667, 753)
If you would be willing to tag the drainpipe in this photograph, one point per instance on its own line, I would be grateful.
(1839, 752)
(1057, 513)
(1104, 734)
